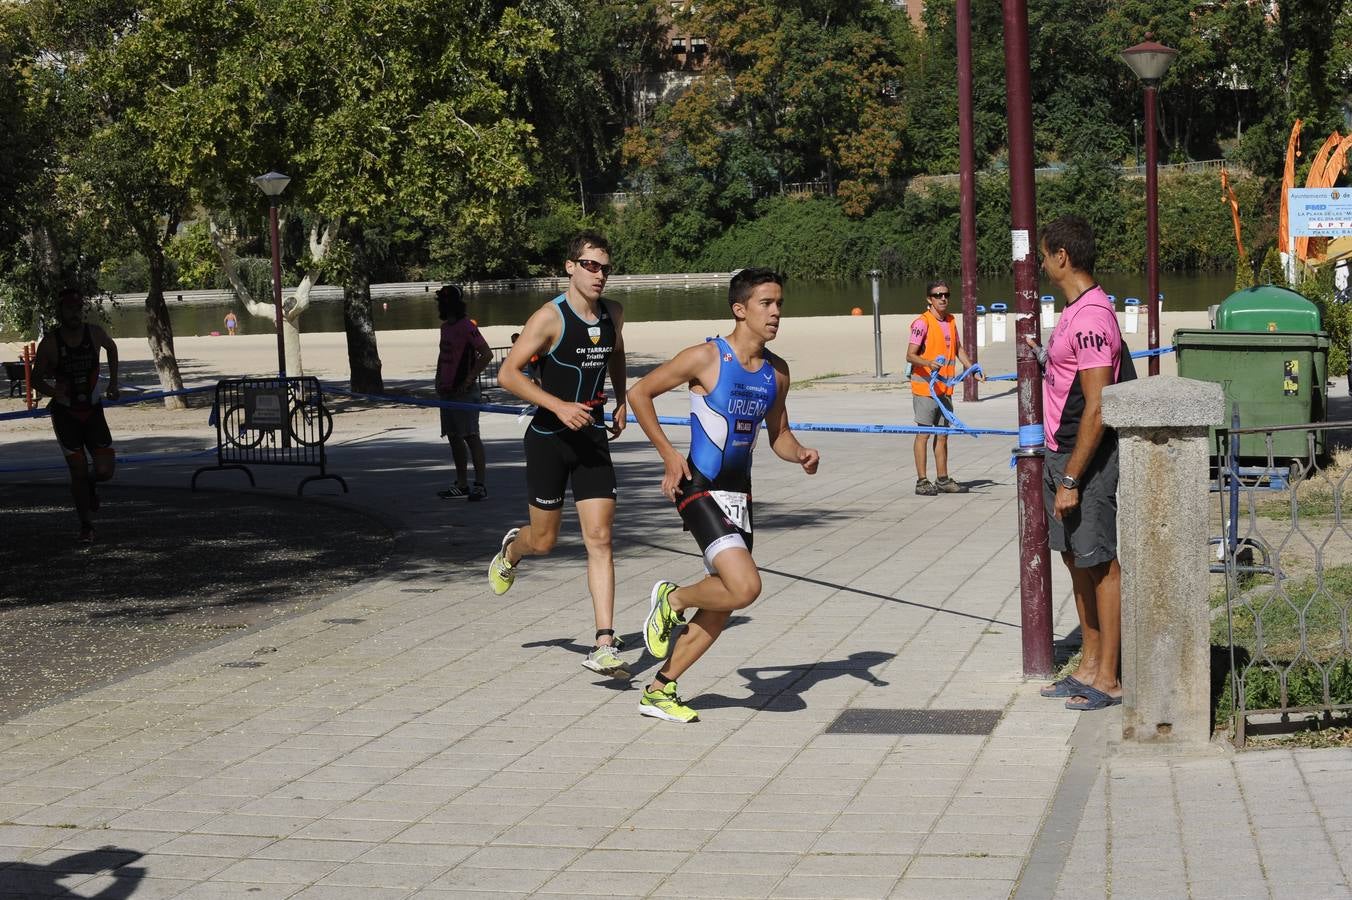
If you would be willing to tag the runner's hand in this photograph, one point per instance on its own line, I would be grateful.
(677, 470)
(111, 391)
(619, 420)
(574, 416)
(808, 459)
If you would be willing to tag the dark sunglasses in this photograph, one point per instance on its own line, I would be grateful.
(593, 266)
(944, 296)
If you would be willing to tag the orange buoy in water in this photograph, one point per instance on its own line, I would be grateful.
(856, 311)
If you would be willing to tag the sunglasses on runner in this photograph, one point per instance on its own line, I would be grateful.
(944, 295)
(593, 266)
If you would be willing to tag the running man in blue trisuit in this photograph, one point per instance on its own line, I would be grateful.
(735, 385)
(578, 337)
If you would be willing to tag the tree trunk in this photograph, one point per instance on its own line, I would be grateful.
(363, 358)
(159, 331)
(292, 307)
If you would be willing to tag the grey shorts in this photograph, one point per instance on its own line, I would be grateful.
(1090, 530)
(460, 423)
(927, 409)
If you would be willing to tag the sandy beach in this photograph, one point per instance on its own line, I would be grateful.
(827, 352)
(816, 347)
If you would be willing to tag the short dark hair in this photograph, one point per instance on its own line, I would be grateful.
(747, 280)
(68, 292)
(1075, 236)
(939, 282)
(451, 302)
(584, 239)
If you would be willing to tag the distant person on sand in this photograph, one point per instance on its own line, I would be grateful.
(463, 355)
(231, 323)
(67, 370)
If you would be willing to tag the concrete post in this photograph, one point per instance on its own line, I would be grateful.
(1162, 527)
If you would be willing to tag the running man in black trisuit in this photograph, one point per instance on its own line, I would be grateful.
(67, 370)
(577, 337)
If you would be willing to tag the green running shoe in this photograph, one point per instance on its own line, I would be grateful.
(662, 620)
(605, 661)
(665, 705)
(501, 573)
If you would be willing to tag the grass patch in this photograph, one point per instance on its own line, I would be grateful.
(1267, 630)
(1318, 497)
(809, 382)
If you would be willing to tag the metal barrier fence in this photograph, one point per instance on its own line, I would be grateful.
(271, 422)
(1286, 555)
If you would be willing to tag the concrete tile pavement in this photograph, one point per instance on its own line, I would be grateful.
(444, 742)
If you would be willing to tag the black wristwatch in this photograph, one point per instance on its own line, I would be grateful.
(1069, 483)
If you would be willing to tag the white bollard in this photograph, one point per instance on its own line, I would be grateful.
(998, 323)
(1048, 311)
(980, 325)
(1131, 318)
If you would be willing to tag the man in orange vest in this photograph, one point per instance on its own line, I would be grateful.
(934, 335)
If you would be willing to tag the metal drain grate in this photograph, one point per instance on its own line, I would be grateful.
(242, 664)
(915, 721)
(343, 621)
(418, 590)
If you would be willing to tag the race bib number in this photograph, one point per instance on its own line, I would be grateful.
(735, 506)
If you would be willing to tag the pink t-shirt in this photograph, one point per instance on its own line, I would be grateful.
(1085, 337)
(920, 328)
(459, 340)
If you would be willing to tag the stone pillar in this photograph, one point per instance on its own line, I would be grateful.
(1162, 530)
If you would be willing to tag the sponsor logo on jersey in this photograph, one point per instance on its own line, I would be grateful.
(747, 406)
(594, 332)
(744, 426)
(727, 357)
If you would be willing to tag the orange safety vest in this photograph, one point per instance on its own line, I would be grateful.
(936, 345)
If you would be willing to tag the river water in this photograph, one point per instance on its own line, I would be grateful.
(802, 298)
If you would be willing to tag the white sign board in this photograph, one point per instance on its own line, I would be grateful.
(1319, 212)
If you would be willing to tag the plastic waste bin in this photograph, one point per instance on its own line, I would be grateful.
(1271, 377)
(1268, 308)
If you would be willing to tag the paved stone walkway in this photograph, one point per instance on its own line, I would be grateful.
(420, 737)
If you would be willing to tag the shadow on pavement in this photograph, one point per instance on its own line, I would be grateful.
(781, 688)
(22, 879)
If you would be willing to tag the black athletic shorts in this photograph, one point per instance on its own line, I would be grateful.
(76, 431)
(709, 516)
(553, 460)
(1089, 532)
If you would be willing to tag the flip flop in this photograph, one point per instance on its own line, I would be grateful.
(1094, 699)
(1070, 686)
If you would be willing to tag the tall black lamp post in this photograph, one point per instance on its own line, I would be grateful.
(273, 184)
(1150, 60)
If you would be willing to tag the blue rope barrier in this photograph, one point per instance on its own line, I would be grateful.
(1135, 354)
(134, 397)
(129, 460)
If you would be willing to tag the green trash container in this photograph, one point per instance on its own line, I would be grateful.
(1268, 308)
(1272, 378)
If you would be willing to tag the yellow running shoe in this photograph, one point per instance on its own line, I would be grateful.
(662, 620)
(605, 661)
(501, 573)
(665, 705)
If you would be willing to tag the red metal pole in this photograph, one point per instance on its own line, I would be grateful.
(1152, 231)
(1035, 583)
(277, 284)
(967, 190)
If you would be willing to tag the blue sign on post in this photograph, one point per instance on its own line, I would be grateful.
(1319, 212)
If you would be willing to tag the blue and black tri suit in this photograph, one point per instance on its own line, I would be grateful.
(715, 503)
(574, 369)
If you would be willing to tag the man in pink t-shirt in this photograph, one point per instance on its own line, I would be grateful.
(1083, 356)
(462, 355)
